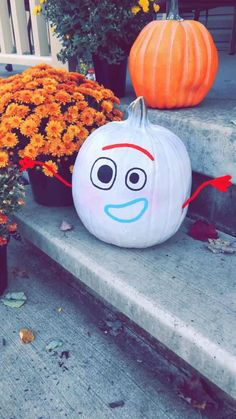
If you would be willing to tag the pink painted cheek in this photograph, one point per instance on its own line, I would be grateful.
(92, 201)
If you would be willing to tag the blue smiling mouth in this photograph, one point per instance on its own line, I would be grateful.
(112, 210)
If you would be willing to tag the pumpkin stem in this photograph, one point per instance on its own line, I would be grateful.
(173, 13)
(138, 112)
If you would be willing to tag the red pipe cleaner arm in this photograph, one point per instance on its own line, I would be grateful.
(28, 163)
(221, 183)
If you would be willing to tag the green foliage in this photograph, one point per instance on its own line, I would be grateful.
(107, 28)
(11, 199)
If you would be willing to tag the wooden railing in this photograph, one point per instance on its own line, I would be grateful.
(26, 39)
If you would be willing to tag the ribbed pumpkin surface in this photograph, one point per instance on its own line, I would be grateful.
(173, 64)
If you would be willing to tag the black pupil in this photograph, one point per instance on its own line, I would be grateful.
(105, 173)
(134, 178)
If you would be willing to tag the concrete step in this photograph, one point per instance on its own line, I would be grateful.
(101, 368)
(179, 292)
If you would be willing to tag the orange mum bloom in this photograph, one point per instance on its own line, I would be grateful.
(62, 97)
(3, 159)
(100, 118)
(107, 105)
(52, 165)
(86, 117)
(37, 98)
(10, 140)
(54, 129)
(29, 127)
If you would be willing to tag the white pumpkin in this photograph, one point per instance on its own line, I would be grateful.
(130, 181)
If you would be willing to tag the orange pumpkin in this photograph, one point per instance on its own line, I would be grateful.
(173, 62)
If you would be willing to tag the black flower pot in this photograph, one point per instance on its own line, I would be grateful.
(49, 191)
(3, 269)
(112, 76)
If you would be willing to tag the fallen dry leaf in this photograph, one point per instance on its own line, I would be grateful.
(203, 231)
(200, 406)
(26, 335)
(221, 246)
(65, 226)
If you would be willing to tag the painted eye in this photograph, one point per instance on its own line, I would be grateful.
(136, 179)
(103, 173)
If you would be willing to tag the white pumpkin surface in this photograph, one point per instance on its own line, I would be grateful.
(131, 194)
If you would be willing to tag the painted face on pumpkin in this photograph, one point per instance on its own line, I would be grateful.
(130, 180)
(103, 176)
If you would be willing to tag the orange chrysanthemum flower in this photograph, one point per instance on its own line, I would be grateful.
(54, 129)
(37, 98)
(53, 165)
(86, 117)
(83, 134)
(62, 97)
(3, 159)
(29, 127)
(14, 122)
(37, 140)
(107, 105)
(100, 118)
(10, 140)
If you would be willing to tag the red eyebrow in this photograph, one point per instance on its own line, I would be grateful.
(136, 147)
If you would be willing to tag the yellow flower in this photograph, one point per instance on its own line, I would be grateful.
(54, 128)
(100, 118)
(83, 134)
(37, 98)
(3, 159)
(14, 122)
(29, 151)
(156, 8)
(42, 1)
(107, 105)
(86, 117)
(10, 140)
(17, 110)
(29, 127)
(52, 165)
(37, 141)
(37, 10)
(73, 131)
(135, 9)
(69, 148)
(57, 149)
(62, 97)
(144, 4)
